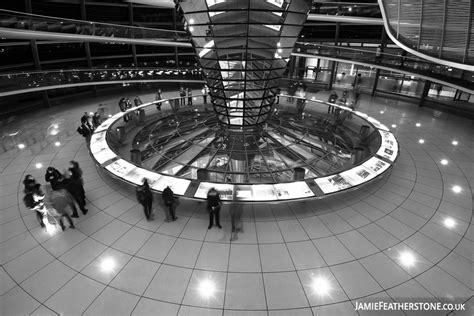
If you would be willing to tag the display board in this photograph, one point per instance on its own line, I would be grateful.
(389, 146)
(386, 154)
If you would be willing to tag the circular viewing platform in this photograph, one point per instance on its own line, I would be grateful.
(307, 149)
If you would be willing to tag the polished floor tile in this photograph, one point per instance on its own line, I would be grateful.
(406, 237)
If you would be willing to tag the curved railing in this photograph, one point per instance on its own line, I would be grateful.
(440, 31)
(384, 151)
(412, 65)
(18, 25)
(16, 83)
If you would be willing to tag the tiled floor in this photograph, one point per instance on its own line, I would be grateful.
(405, 238)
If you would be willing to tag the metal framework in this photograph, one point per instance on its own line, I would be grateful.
(243, 48)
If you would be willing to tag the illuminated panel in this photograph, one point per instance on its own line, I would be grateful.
(389, 146)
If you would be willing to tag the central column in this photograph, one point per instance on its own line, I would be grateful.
(243, 47)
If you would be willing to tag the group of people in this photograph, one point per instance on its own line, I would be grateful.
(145, 198)
(63, 193)
(88, 124)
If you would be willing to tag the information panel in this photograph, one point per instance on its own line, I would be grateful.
(226, 191)
(100, 149)
(293, 190)
(389, 147)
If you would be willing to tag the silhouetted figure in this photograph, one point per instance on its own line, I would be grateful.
(403, 58)
(34, 198)
(158, 97)
(182, 95)
(145, 198)
(137, 101)
(190, 96)
(214, 207)
(169, 199)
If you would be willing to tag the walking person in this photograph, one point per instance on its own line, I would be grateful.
(62, 203)
(34, 199)
(214, 207)
(145, 198)
(190, 97)
(158, 97)
(236, 211)
(169, 199)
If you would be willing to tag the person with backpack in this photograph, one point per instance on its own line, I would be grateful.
(168, 199)
(145, 198)
(214, 207)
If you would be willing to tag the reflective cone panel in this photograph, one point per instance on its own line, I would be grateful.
(243, 47)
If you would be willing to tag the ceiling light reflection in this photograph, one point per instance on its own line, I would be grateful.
(444, 162)
(455, 142)
(57, 144)
(39, 165)
(417, 124)
(394, 125)
(21, 146)
(421, 141)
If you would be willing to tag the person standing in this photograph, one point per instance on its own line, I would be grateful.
(182, 95)
(85, 131)
(137, 101)
(378, 54)
(214, 207)
(204, 94)
(145, 198)
(55, 178)
(34, 199)
(168, 199)
(96, 120)
(190, 97)
(158, 97)
(357, 89)
(403, 58)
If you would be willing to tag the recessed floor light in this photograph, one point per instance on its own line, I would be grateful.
(21, 146)
(39, 165)
(207, 288)
(407, 259)
(421, 141)
(455, 142)
(57, 144)
(381, 112)
(417, 124)
(457, 189)
(108, 264)
(444, 162)
(394, 125)
(321, 286)
(449, 222)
